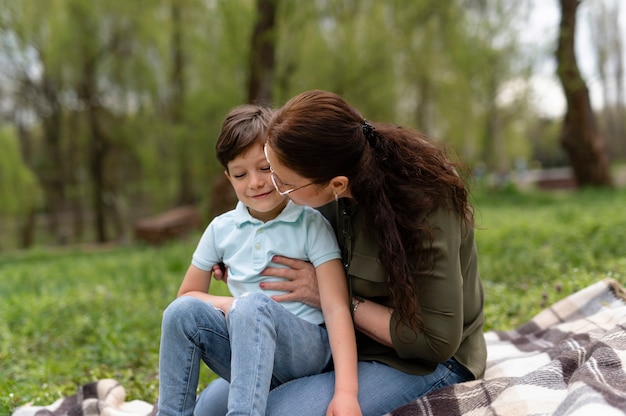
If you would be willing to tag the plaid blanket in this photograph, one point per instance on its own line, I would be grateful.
(568, 360)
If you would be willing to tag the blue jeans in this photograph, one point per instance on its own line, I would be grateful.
(381, 389)
(257, 347)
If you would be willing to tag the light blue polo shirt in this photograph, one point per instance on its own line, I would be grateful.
(246, 246)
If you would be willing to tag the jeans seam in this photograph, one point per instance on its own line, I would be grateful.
(188, 380)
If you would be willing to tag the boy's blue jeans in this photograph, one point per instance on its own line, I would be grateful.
(257, 347)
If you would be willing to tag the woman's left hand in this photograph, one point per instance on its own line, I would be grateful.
(300, 283)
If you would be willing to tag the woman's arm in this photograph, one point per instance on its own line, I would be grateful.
(333, 291)
(301, 285)
(373, 320)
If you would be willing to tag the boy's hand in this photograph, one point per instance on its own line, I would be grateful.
(300, 282)
(343, 407)
(220, 272)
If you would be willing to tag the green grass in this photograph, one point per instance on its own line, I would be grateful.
(68, 317)
(535, 249)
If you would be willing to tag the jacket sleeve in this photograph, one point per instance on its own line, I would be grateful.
(440, 294)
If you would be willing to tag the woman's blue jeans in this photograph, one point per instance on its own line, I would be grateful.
(257, 347)
(381, 389)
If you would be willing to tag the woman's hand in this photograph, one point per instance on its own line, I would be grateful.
(300, 283)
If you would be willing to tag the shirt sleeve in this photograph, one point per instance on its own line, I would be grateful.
(440, 294)
(206, 254)
(322, 244)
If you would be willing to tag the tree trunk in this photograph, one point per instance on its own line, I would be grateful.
(97, 145)
(27, 229)
(51, 170)
(176, 106)
(98, 150)
(580, 136)
(262, 53)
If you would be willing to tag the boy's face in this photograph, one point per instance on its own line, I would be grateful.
(249, 175)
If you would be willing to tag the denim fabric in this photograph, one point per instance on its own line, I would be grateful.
(381, 389)
(268, 345)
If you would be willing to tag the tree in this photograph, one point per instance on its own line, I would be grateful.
(29, 30)
(262, 53)
(606, 37)
(580, 135)
(176, 103)
(20, 193)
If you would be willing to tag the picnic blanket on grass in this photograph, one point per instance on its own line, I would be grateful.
(568, 360)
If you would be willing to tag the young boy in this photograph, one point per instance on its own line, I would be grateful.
(248, 339)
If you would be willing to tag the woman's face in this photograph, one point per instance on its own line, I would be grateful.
(299, 189)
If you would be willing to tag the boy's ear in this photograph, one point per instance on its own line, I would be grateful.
(230, 179)
(339, 184)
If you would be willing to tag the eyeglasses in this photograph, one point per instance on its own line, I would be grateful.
(278, 184)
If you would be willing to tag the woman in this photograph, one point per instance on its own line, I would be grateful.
(404, 223)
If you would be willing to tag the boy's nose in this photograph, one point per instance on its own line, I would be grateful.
(257, 180)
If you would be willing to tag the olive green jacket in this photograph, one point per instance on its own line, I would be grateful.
(450, 295)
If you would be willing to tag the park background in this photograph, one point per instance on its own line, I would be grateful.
(109, 113)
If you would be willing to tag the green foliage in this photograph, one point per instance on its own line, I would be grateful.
(19, 189)
(105, 92)
(68, 317)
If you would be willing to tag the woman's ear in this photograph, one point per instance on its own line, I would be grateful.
(339, 184)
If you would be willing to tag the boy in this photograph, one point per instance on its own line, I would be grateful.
(249, 339)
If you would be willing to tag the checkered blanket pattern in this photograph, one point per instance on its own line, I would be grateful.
(568, 360)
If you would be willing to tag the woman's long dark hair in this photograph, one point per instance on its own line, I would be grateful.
(397, 176)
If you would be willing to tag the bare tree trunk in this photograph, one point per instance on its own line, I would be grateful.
(74, 180)
(27, 226)
(607, 43)
(50, 170)
(425, 100)
(492, 152)
(97, 145)
(580, 135)
(27, 229)
(98, 150)
(619, 109)
(262, 53)
(176, 105)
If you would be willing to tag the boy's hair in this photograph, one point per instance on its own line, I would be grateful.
(244, 126)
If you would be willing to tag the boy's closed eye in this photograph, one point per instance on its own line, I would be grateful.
(264, 169)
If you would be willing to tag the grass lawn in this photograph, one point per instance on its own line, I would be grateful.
(70, 316)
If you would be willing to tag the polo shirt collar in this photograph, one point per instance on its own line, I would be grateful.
(290, 213)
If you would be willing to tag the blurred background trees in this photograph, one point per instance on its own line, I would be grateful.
(109, 110)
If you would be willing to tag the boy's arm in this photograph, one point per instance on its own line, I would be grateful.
(335, 307)
(195, 280)
(197, 283)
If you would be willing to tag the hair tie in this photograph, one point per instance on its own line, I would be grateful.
(368, 131)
